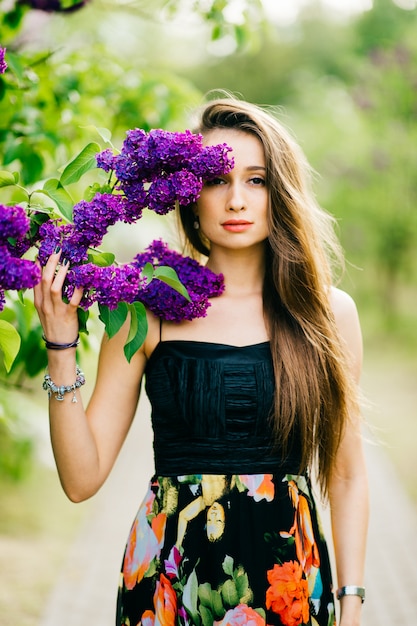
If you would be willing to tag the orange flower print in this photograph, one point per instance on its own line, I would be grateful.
(144, 544)
(165, 603)
(260, 486)
(288, 594)
(241, 615)
(302, 531)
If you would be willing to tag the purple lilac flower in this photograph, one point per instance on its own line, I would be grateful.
(105, 160)
(212, 161)
(200, 282)
(92, 219)
(173, 151)
(17, 273)
(3, 64)
(14, 222)
(107, 285)
(51, 235)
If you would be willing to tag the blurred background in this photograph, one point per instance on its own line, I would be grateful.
(341, 74)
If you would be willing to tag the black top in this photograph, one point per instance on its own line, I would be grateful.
(211, 408)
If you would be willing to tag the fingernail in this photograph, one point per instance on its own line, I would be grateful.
(57, 249)
(65, 262)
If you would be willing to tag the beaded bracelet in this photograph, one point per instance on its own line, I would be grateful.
(50, 345)
(59, 390)
(351, 590)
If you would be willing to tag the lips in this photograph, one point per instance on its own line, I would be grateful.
(236, 226)
(235, 222)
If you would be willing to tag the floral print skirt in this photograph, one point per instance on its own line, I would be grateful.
(224, 550)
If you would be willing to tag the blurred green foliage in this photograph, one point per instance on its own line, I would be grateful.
(347, 88)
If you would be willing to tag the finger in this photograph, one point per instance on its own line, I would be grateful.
(61, 271)
(76, 297)
(50, 267)
(37, 289)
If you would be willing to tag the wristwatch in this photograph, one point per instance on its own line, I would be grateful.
(351, 590)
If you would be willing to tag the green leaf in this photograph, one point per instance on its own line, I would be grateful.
(54, 190)
(189, 597)
(96, 188)
(169, 276)
(217, 605)
(229, 593)
(83, 162)
(204, 593)
(7, 178)
(82, 320)
(206, 616)
(113, 319)
(138, 329)
(242, 585)
(148, 272)
(101, 259)
(9, 343)
(104, 133)
(228, 565)
(32, 353)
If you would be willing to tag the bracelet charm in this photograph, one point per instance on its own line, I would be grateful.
(60, 390)
(351, 590)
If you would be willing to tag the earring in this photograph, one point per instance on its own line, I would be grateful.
(196, 223)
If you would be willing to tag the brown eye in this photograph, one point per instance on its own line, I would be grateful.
(257, 180)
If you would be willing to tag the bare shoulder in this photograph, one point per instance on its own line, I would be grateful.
(153, 335)
(343, 305)
(347, 322)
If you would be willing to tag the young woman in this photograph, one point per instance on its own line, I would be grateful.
(245, 403)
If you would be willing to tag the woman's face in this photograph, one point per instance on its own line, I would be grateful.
(232, 209)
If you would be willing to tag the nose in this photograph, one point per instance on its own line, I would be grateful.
(236, 201)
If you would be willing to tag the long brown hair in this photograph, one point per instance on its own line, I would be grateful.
(314, 392)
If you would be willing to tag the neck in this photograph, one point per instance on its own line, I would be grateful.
(243, 270)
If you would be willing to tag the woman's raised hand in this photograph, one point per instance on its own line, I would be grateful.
(59, 319)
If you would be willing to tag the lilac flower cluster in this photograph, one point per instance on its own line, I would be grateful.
(106, 285)
(159, 168)
(91, 221)
(200, 282)
(156, 170)
(126, 283)
(3, 64)
(15, 272)
(153, 170)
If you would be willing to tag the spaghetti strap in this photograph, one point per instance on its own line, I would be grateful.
(160, 329)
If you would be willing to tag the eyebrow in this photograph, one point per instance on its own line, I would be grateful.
(256, 167)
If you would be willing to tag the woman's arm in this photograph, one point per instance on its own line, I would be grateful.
(85, 442)
(349, 485)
